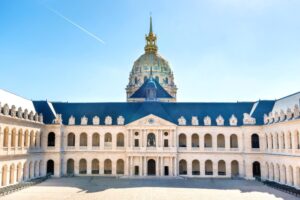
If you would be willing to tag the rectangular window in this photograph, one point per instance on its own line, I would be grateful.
(166, 143)
(136, 142)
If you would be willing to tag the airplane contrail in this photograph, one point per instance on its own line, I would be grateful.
(75, 24)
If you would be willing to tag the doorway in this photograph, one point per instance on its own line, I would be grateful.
(151, 167)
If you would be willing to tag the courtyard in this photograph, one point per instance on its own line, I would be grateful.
(111, 188)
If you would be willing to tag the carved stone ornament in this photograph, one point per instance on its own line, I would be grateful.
(96, 120)
(36, 117)
(289, 114)
(296, 111)
(108, 120)
(31, 115)
(13, 112)
(271, 119)
(5, 110)
(207, 121)
(195, 121)
(282, 115)
(276, 117)
(58, 119)
(120, 120)
(220, 120)
(41, 118)
(26, 114)
(182, 121)
(266, 119)
(20, 112)
(233, 120)
(248, 120)
(84, 120)
(72, 120)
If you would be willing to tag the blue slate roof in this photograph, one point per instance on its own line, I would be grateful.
(160, 91)
(132, 111)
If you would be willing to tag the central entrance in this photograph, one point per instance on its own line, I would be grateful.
(151, 167)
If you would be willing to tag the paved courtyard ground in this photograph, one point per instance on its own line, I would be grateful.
(104, 188)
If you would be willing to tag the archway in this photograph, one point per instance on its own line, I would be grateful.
(71, 140)
(151, 167)
(95, 166)
(208, 167)
(83, 139)
(120, 166)
(195, 167)
(4, 175)
(70, 167)
(182, 140)
(96, 140)
(12, 174)
(207, 141)
(256, 169)
(151, 142)
(221, 168)
(120, 140)
(51, 139)
(182, 167)
(82, 166)
(195, 140)
(234, 168)
(234, 141)
(220, 141)
(50, 167)
(107, 166)
(255, 141)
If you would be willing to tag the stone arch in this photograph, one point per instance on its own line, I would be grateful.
(5, 137)
(151, 167)
(195, 140)
(95, 166)
(12, 174)
(234, 141)
(151, 140)
(283, 174)
(289, 140)
(31, 141)
(297, 139)
(107, 137)
(31, 169)
(277, 173)
(182, 140)
(256, 171)
(96, 140)
(195, 167)
(107, 166)
(40, 168)
(19, 172)
(13, 137)
(71, 140)
(208, 141)
(272, 170)
(283, 142)
(51, 139)
(82, 166)
(4, 175)
(25, 171)
(291, 176)
(234, 168)
(120, 166)
(221, 168)
(83, 139)
(297, 178)
(26, 139)
(70, 166)
(255, 141)
(20, 138)
(50, 167)
(208, 167)
(267, 170)
(120, 140)
(221, 141)
(182, 167)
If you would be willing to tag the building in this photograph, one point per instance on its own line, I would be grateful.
(151, 134)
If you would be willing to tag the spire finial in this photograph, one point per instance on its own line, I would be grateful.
(151, 40)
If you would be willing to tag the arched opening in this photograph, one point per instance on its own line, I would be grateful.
(151, 167)
(50, 167)
(277, 173)
(82, 166)
(25, 171)
(26, 139)
(107, 166)
(19, 172)
(291, 176)
(195, 167)
(297, 178)
(4, 175)
(271, 174)
(267, 176)
(283, 174)
(36, 169)
(221, 168)
(71, 140)
(107, 140)
(31, 139)
(151, 140)
(182, 140)
(20, 138)
(195, 140)
(296, 139)
(95, 166)
(234, 168)
(182, 167)
(51, 139)
(220, 141)
(31, 170)
(83, 139)
(120, 166)
(12, 174)
(208, 167)
(70, 167)
(207, 141)
(254, 141)
(40, 168)
(5, 137)
(13, 138)
(120, 140)
(234, 141)
(256, 169)
(96, 140)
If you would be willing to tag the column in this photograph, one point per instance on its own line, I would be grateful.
(126, 166)
(227, 142)
(145, 166)
(88, 167)
(157, 166)
(228, 168)
(140, 166)
(175, 165)
(162, 166)
(77, 138)
(131, 165)
(171, 166)
(214, 141)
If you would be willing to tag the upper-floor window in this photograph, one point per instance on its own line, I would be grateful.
(255, 141)
(51, 139)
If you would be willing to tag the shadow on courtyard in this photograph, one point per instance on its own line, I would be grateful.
(97, 184)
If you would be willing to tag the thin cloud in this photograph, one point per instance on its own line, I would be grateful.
(74, 24)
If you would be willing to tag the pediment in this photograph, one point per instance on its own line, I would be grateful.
(151, 120)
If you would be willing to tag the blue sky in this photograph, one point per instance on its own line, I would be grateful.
(219, 50)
